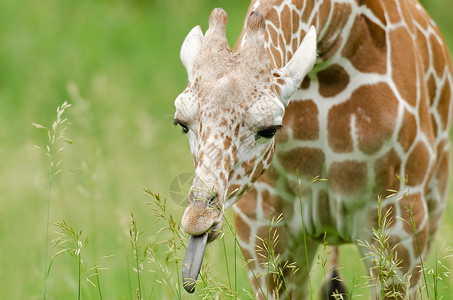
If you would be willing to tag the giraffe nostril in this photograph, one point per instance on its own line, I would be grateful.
(213, 198)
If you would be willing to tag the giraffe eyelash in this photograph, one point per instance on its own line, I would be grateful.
(268, 132)
(183, 126)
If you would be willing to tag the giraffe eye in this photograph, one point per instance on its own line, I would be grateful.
(184, 128)
(269, 132)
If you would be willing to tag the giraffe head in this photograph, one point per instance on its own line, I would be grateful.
(230, 111)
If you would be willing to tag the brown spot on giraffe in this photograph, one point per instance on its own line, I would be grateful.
(295, 19)
(248, 167)
(423, 49)
(426, 123)
(407, 15)
(244, 189)
(200, 155)
(258, 172)
(227, 142)
(442, 171)
(324, 214)
(412, 211)
(376, 7)
(374, 121)
(285, 19)
(234, 150)
(417, 164)
(385, 170)
(205, 134)
(233, 189)
(366, 47)
(282, 136)
(270, 176)
(267, 153)
(309, 161)
(307, 12)
(408, 131)
(264, 232)
(294, 46)
(404, 72)
(348, 177)
(332, 80)
(420, 16)
(419, 244)
(401, 251)
(227, 163)
(281, 44)
(333, 40)
(280, 81)
(247, 203)
(273, 35)
(236, 131)
(195, 161)
(305, 83)
(242, 228)
(303, 117)
(392, 11)
(443, 106)
(250, 262)
(268, 206)
(277, 57)
(432, 88)
(324, 9)
(223, 123)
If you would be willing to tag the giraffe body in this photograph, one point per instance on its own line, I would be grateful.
(377, 104)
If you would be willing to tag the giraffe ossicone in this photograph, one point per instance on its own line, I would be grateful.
(361, 101)
(191, 47)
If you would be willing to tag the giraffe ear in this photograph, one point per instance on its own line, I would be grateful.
(190, 48)
(289, 78)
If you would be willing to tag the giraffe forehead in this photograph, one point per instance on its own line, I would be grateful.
(235, 81)
(230, 98)
(248, 112)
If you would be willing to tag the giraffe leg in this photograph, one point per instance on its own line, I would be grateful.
(280, 275)
(395, 262)
(272, 252)
(334, 284)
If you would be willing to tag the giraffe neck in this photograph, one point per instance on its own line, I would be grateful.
(288, 22)
(333, 20)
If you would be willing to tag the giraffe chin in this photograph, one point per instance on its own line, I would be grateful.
(214, 232)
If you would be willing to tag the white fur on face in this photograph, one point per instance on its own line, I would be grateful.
(223, 126)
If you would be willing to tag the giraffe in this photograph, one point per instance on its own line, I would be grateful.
(357, 92)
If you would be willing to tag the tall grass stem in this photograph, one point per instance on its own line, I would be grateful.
(304, 234)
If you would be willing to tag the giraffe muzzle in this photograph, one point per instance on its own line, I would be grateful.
(202, 220)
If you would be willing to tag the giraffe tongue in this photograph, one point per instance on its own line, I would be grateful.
(192, 261)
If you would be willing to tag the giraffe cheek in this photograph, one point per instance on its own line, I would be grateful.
(259, 170)
(195, 161)
(232, 190)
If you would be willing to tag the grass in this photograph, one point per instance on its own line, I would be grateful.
(56, 135)
(384, 276)
(117, 63)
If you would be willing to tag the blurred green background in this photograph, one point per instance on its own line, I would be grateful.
(117, 63)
